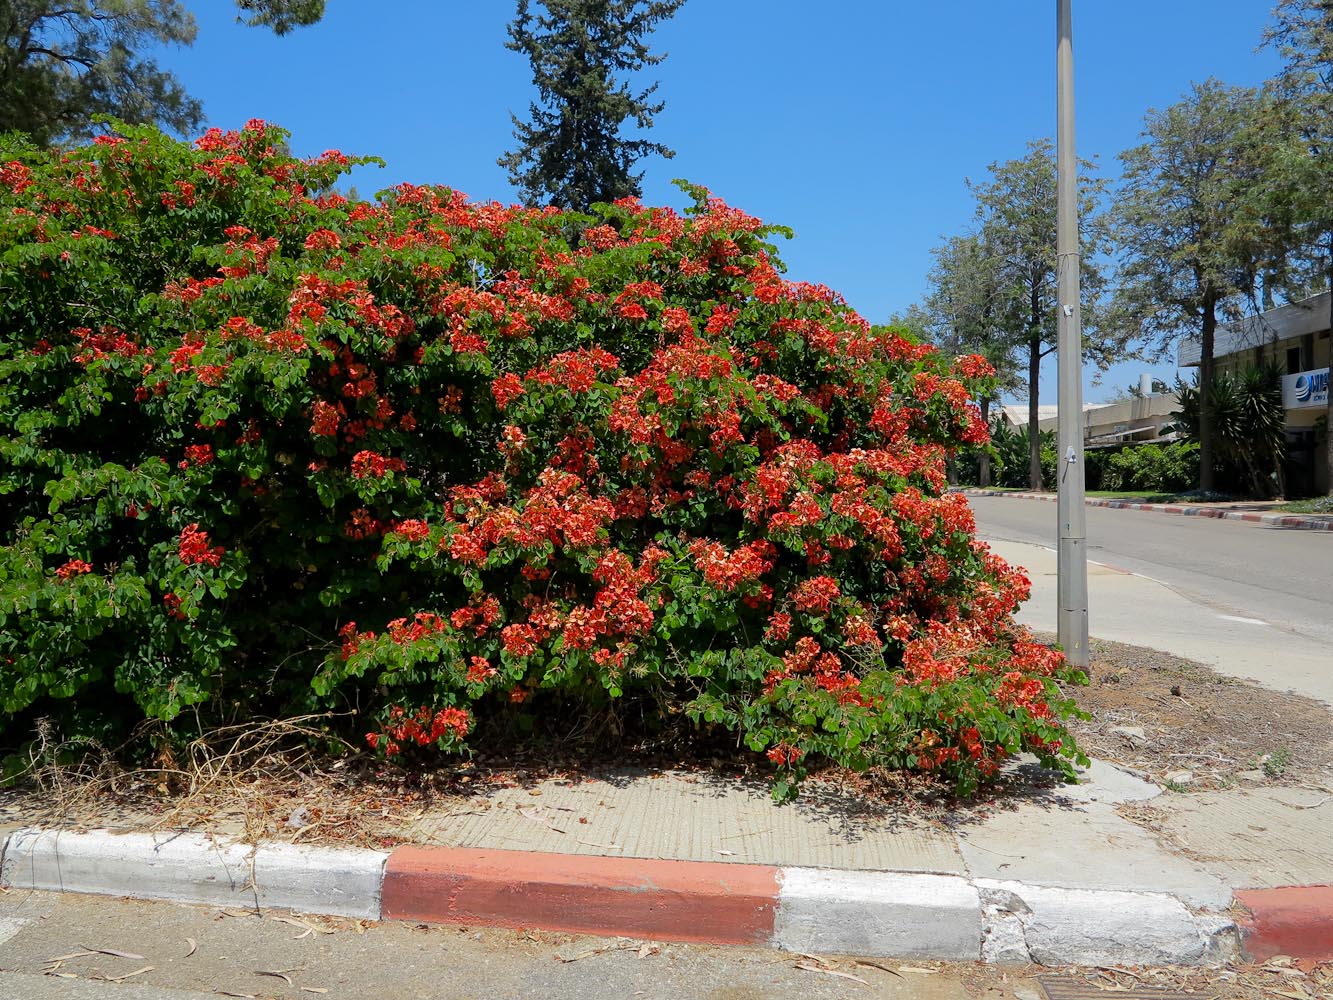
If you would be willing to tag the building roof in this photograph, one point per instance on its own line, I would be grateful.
(1017, 413)
(1293, 320)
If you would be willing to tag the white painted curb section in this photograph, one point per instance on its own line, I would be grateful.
(1052, 925)
(902, 915)
(878, 913)
(191, 868)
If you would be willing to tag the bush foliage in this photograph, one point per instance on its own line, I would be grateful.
(1153, 468)
(269, 451)
(1147, 468)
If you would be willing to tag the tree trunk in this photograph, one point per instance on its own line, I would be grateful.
(1206, 366)
(1034, 434)
(983, 458)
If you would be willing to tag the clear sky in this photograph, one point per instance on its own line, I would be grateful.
(855, 122)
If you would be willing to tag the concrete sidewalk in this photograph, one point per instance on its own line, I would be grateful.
(1059, 879)
(1054, 874)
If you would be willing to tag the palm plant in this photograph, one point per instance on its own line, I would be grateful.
(1247, 424)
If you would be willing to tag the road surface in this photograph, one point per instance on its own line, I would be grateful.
(1248, 599)
(72, 947)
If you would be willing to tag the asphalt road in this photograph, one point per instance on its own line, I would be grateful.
(1282, 577)
(98, 948)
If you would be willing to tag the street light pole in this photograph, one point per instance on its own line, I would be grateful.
(1072, 619)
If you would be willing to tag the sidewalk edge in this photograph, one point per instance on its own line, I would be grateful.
(1290, 920)
(890, 914)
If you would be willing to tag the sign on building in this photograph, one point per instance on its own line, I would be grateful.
(1305, 389)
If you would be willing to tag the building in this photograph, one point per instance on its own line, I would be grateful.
(1015, 415)
(1295, 338)
(1141, 419)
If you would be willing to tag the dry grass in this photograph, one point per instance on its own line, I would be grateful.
(246, 780)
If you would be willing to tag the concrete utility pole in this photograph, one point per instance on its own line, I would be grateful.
(1072, 620)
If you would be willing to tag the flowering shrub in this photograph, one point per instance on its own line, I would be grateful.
(265, 449)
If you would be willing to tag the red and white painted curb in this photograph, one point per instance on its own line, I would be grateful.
(1219, 513)
(892, 914)
(1295, 920)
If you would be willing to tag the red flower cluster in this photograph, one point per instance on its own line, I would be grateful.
(106, 342)
(424, 623)
(506, 389)
(197, 454)
(816, 595)
(75, 567)
(785, 754)
(729, 570)
(368, 463)
(483, 612)
(412, 529)
(423, 727)
(193, 547)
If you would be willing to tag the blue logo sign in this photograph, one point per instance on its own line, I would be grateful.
(1305, 389)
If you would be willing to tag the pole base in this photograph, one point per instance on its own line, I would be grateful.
(1072, 634)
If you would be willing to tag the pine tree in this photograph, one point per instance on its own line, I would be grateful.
(281, 16)
(966, 312)
(1016, 230)
(571, 152)
(64, 61)
(1186, 228)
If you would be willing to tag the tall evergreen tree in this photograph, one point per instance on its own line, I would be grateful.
(281, 15)
(64, 61)
(1016, 227)
(571, 152)
(1186, 228)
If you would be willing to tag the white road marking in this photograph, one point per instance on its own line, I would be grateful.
(1244, 621)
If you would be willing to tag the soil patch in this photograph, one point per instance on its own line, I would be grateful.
(1178, 722)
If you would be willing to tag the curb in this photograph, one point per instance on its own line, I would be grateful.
(1296, 921)
(192, 868)
(702, 901)
(888, 914)
(1218, 513)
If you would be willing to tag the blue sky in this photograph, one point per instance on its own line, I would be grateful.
(854, 122)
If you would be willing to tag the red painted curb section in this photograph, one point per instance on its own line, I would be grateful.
(1295, 921)
(712, 902)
